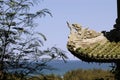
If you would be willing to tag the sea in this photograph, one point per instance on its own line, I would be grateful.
(61, 67)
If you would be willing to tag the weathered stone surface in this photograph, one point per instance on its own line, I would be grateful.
(90, 45)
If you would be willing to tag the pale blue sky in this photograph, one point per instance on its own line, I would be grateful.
(95, 14)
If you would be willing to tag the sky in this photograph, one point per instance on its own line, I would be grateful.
(98, 15)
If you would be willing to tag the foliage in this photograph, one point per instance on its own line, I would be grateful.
(95, 74)
(46, 77)
(79, 74)
(20, 45)
(116, 70)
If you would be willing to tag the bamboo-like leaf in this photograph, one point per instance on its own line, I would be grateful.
(27, 32)
(43, 36)
(43, 12)
(36, 44)
(25, 7)
(47, 51)
(28, 51)
(47, 11)
(30, 15)
(60, 52)
(10, 14)
(18, 28)
(12, 41)
(1, 1)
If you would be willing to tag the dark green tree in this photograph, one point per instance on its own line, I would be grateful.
(20, 45)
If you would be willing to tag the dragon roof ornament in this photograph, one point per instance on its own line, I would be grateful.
(92, 46)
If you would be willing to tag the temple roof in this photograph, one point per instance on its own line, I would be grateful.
(91, 46)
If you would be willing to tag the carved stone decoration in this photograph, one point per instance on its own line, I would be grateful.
(92, 46)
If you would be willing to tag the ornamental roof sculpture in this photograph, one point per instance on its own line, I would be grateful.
(91, 46)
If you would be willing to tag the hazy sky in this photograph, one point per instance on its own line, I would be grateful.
(95, 14)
